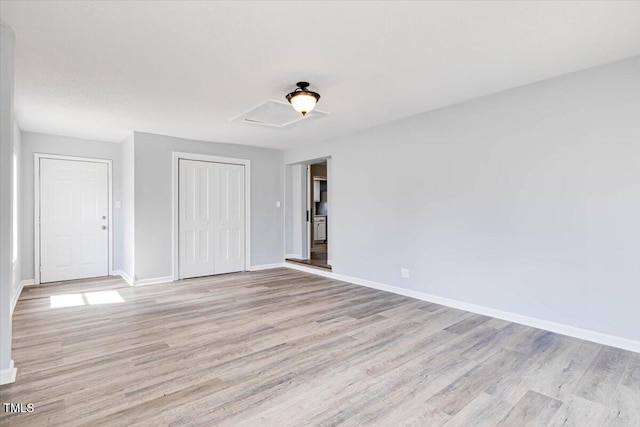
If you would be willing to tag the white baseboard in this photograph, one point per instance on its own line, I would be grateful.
(266, 266)
(16, 296)
(124, 276)
(560, 328)
(153, 281)
(27, 282)
(317, 271)
(8, 375)
(295, 256)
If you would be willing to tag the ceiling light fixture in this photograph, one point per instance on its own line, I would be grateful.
(303, 100)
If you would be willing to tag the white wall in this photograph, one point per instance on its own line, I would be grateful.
(295, 232)
(17, 220)
(526, 201)
(329, 215)
(153, 199)
(61, 145)
(127, 255)
(7, 45)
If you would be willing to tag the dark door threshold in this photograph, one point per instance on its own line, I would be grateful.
(311, 263)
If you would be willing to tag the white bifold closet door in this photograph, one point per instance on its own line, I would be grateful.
(211, 218)
(74, 209)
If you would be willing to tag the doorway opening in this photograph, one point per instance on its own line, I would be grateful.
(309, 184)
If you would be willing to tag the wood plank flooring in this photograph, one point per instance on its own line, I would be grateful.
(285, 348)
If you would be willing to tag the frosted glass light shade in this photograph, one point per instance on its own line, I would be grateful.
(303, 103)
(303, 100)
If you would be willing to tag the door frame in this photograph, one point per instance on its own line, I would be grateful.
(175, 236)
(36, 205)
(309, 215)
(305, 232)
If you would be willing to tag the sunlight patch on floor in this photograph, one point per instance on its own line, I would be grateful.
(103, 297)
(88, 298)
(67, 300)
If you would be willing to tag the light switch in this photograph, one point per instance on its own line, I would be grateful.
(277, 204)
(118, 204)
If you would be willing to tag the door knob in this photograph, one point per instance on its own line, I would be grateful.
(104, 227)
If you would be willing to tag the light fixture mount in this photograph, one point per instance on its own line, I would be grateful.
(302, 99)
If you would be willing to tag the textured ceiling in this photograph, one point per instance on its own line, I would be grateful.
(101, 69)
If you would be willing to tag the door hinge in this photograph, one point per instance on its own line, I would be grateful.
(307, 215)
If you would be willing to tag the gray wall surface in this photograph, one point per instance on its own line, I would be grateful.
(153, 200)
(127, 255)
(61, 145)
(526, 201)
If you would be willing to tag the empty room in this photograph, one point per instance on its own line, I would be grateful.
(320, 213)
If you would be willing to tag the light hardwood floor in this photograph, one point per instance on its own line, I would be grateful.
(285, 348)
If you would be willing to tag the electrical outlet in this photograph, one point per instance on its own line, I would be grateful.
(404, 273)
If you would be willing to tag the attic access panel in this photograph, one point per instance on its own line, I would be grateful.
(275, 114)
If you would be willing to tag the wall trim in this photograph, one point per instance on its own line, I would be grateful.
(560, 328)
(266, 266)
(176, 156)
(27, 282)
(36, 206)
(153, 281)
(124, 276)
(8, 375)
(16, 296)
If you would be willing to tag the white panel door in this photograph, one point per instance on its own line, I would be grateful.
(74, 209)
(196, 223)
(230, 224)
(211, 220)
